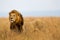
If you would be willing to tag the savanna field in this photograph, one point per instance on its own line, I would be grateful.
(34, 28)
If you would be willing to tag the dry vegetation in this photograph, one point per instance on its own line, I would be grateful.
(43, 28)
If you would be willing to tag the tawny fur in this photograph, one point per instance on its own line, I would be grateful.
(18, 21)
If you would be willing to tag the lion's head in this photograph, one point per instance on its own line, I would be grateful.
(16, 19)
(15, 16)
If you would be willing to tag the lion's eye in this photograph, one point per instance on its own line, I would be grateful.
(13, 15)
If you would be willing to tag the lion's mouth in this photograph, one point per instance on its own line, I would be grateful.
(11, 20)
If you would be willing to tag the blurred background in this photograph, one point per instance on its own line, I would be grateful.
(35, 8)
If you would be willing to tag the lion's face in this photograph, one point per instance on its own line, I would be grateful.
(15, 17)
(12, 17)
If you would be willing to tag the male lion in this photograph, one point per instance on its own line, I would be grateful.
(16, 20)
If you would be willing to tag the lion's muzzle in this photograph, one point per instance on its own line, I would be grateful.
(12, 20)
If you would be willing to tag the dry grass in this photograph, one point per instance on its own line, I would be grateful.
(43, 28)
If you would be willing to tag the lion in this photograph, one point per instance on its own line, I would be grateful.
(16, 20)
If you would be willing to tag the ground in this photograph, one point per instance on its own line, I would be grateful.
(34, 28)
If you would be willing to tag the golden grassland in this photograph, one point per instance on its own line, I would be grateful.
(34, 28)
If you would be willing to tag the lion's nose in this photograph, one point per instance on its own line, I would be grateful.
(11, 18)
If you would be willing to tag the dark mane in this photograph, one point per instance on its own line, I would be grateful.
(19, 24)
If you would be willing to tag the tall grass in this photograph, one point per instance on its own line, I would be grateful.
(44, 28)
